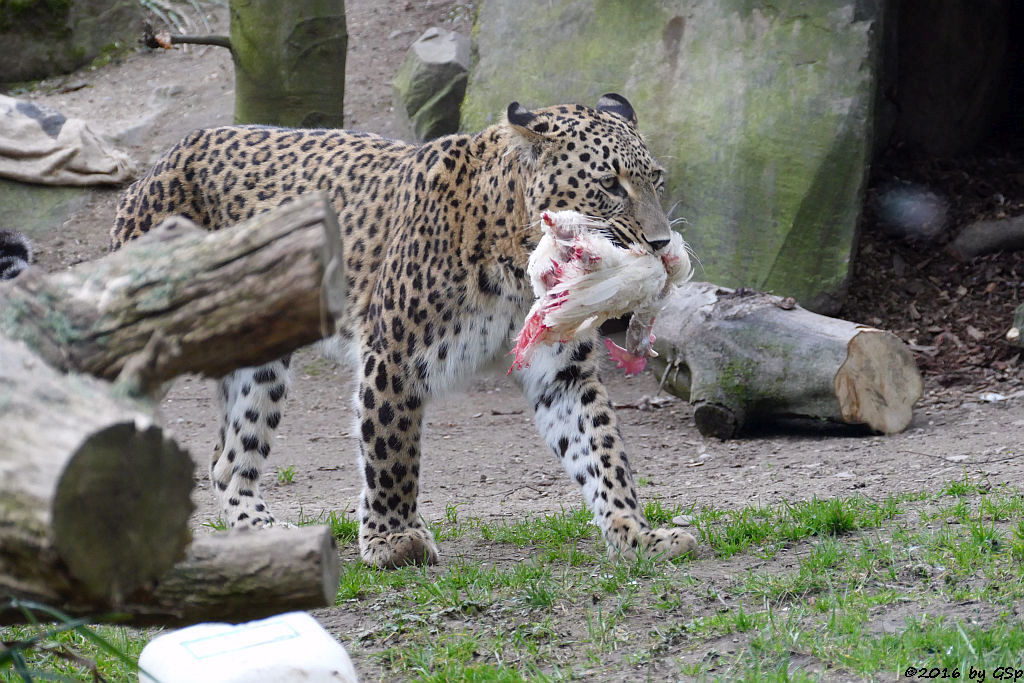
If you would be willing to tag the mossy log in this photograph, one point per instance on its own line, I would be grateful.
(741, 357)
(183, 300)
(232, 577)
(94, 498)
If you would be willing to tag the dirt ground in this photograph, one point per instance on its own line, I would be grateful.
(481, 451)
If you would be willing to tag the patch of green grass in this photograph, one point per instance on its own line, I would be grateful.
(964, 487)
(659, 515)
(216, 524)
(450, 528)
(554, 532)
(344, 528)
(359, 580)
(463, 586)
(456, 657)
(540, 594)
(67, 649)
(773, 527)
(1017, 542)
(286, 475)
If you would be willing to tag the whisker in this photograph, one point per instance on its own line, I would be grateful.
(693, 258)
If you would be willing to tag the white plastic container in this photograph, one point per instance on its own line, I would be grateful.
(281, 649)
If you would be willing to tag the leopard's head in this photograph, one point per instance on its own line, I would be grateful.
(593, 161)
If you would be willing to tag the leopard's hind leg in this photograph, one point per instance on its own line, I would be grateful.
(251, 401)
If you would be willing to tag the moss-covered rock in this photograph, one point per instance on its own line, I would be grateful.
(429, 86)
(760, 111)
(41, 38)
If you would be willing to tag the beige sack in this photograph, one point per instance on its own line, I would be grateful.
(41, 145)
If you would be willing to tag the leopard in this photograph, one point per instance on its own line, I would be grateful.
(15, 253)
(437, 237)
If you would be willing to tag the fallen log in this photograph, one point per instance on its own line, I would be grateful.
(184, 300)
(232, 577)
(246, 575)
(94, 498)
(740, 357)
(985, 237)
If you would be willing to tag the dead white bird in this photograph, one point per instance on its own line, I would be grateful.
(581, 279)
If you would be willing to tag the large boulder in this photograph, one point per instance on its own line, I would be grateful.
(430, 85)
(760, 112)
(41, 38)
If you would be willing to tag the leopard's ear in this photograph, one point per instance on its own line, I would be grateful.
(617, 104)
(531, 126)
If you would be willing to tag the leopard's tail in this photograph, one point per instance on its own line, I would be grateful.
(15, 253)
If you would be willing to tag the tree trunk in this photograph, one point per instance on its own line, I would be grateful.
(181, 300)
(232, 577)
(289, 62)
(740, 357)
(94, 499)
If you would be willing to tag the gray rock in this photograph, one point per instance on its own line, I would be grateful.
(429, 86)
(760, 111)
(42, 38)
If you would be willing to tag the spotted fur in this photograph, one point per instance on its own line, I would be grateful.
(437, 238)
(15, 254)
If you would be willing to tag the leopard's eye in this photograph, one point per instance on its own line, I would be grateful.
(611, 184)
(658, 181)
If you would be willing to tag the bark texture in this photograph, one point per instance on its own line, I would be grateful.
(289, 62)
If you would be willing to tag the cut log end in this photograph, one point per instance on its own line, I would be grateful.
(95, 498)
(879, 383)
(126, 481)
(716, 420)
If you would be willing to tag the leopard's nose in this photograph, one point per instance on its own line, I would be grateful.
(658, 245)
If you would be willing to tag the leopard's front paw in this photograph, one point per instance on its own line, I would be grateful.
(629, 537)
(399, 548)
(667, 543)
